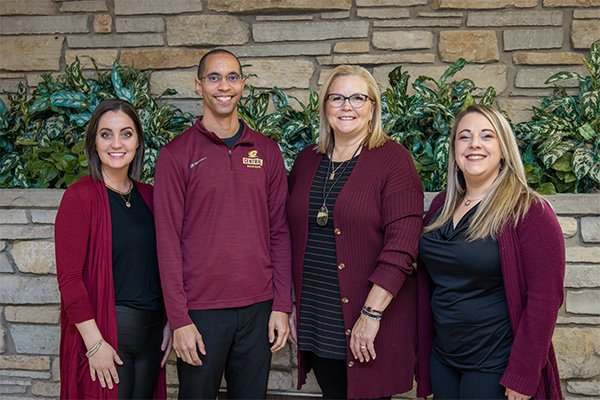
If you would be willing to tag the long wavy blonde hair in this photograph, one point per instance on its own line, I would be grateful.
(509, 197)
(376, 136)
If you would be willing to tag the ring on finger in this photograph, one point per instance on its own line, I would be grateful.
(363, 347)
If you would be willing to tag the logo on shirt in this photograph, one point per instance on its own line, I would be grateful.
(192, 165)
(252, 161)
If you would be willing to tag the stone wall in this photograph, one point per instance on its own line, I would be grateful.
(29, 310)
(513, 45)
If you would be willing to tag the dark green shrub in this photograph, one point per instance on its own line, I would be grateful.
(561, 144)
(41, 137)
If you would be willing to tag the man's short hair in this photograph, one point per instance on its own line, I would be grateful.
(202, 63)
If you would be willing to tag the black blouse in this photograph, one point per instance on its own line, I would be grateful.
(135, 262)
(472, 327)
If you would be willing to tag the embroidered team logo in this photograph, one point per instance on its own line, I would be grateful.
(252, 161)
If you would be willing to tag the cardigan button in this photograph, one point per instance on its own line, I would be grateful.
(348, 332)
(337, 231)
(350, 364)
(341, 266)
(345, 300)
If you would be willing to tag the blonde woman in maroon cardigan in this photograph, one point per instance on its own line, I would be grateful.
(355, 213)
(491, 270)
(112, 319)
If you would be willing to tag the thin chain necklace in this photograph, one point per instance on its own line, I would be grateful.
(123, 194)
(468, 201)
(323, 213)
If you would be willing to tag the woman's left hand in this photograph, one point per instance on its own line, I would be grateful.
(362, 338)
(167, 344)
(512, 395)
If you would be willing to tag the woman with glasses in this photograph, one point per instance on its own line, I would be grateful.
(114, 339)
(355, 210)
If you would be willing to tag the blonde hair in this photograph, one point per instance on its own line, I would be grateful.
(509, 197)
(376, 136)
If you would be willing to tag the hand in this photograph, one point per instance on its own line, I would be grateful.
(102, 365)
(186, 342)
(167, 344)
(279, 330)
(512, 395)
(293, 332)
(362, 338)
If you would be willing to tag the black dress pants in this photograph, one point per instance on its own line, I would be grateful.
(237, 344)
(452, 383)
(139, 337)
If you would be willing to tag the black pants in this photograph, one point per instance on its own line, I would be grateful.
(331, 376)
(451, 383)
(237, 343)
(139, 336)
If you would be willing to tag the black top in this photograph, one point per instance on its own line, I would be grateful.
(472, 328)
(135, 263)
(321, 324)
(230, 141)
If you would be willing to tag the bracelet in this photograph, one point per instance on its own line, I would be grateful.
(372, 311)
(371, 314)
(94, 349)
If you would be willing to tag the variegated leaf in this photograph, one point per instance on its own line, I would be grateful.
(563, 75)
(595, 172)
(452, 70)
(583, 161)
(74, 100)
(554, 149)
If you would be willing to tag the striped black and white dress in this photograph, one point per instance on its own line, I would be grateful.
(321, 324)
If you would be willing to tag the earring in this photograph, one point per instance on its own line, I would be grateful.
(370, 126)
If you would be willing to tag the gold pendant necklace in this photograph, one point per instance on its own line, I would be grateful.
(468, 201)
(323, 213)
(128, 193)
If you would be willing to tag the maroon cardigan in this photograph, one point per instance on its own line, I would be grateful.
(378, 219)
(532, 258)
(83, 241)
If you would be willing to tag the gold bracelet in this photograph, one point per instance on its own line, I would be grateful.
(94, 349)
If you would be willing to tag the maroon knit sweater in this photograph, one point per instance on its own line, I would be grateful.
(532, 258)
(378, 219)
(83, 241)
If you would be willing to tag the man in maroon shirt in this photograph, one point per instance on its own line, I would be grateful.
(223, 242)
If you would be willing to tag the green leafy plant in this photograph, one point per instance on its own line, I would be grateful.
(42, 135)
(422, 120)
(561, 144)
(292, 128)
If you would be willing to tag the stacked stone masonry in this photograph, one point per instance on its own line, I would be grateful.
(29, 301)
(513, 45)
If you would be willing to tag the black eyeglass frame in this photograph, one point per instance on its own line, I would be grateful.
(355, 96)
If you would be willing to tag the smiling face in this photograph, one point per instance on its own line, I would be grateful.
(116, 142)
(477, 149)
(346, 121)
(220, 96)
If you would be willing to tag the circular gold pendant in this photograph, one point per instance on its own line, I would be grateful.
(128, 204)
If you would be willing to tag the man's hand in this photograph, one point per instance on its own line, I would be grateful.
(293, 330)
(186, 343)
(279, 330)
(166, 345)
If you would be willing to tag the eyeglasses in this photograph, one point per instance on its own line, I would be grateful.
(216, 78)
(357, 100)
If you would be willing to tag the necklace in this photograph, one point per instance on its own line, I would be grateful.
(332, 174)
(323, 213)
(123, 194)
(468, 201)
